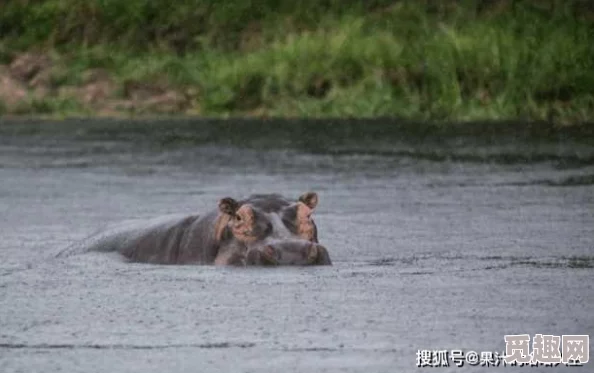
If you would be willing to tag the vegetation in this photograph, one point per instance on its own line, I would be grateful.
(439, 60)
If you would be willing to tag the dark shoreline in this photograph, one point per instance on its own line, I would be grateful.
(312, 134)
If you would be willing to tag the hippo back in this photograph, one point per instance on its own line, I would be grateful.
(138, 239)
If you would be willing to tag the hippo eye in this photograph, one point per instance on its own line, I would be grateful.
(237, 218)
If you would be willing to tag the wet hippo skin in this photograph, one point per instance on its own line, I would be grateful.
(263, 229)
(313, 254)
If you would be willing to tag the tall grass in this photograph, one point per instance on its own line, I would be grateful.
(449, 60)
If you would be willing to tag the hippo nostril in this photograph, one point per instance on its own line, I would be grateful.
(269, 250)
(312, 253)
(270, 255)
(321, 256)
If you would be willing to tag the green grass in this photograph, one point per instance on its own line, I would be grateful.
(59, 106)
(450, 60)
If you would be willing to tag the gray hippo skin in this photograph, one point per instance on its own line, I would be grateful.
(287, 254)
(263, 229)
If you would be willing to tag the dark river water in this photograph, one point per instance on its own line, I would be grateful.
(441, 238)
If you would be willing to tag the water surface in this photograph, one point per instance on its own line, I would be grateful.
(441, 239)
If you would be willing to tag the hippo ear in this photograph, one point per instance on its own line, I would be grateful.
(310, 199)
(228, 206)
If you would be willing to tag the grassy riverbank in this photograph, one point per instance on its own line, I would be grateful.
(447, 60)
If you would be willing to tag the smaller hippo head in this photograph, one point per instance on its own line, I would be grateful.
(274, 230)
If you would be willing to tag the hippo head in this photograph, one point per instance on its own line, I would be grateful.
(274, 230)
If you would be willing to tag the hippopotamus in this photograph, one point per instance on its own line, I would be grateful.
(262, 229)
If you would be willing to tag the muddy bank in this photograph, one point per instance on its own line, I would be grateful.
(37, 83)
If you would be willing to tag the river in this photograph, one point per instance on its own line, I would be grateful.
(442, 238)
